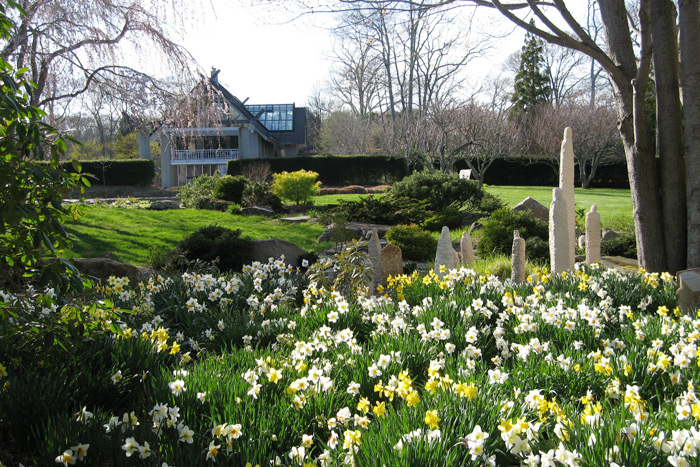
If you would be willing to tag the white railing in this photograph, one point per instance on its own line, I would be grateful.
(186, 156)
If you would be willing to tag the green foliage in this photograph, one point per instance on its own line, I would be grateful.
(416, 244)
(346, 272)
(625, 245)
(531, 84)
(488, 204)
(449, 217)
(116, 172)
(202, 187)
(31, 208)
(497, 233)
(388, 210)
(537, 249)
(234, 208)
(230, 188)
(297, 187)
(336, 224)
(334, 170)
(214, 242)
(260, 194)
(439, 189)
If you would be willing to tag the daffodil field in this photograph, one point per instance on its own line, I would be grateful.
(593, 367)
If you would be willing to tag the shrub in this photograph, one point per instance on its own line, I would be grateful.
(497, 233)
(260, 194)
(625, 245)
(439, 189)
(487, 204)
(230, 188)
(297, 186)
(202, 187)
(537, 249)
(333, 170)
(116, 172)
(388, 210)
(212, 242)
(416, 244)
(449, 217)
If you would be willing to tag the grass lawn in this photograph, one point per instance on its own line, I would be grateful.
(129, 233)
(614, 205)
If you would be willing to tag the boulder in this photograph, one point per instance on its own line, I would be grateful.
(608, 234)
(356, 229)
(263, 250)
(474, 227)
(258, 211)
(445, 254)
(164, 205)
(213, 204)
(103, 268)
(537, 210)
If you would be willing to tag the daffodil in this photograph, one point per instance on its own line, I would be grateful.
(432, 419)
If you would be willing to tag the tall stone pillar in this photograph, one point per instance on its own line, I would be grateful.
(466, 248)
(566, 183)
(374, 251)
(558, 233)
(593, 236)
(518, 258)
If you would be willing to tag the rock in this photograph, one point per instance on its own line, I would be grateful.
(581, 241)
(364, 228)
(391, 262)
(688, 293)
(593, 236)
(295, 219)
(466, 249)
(164, 205)
(263, 250)
(258, 211)
(213, 204)
(608, 234)
(445, 254)
(374, 251)
(103, 268)
(518, 258)
(475, 226)
(537, 210)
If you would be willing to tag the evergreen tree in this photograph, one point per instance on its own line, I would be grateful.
(531, 84)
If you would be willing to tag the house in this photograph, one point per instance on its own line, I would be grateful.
(235, 131)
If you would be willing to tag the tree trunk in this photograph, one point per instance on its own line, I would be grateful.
(689, 21)
(669, 133)
(629, 84)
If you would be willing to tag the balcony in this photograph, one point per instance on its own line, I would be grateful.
(202, 156)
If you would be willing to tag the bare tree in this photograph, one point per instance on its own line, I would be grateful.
(629, 73)
(70, 47)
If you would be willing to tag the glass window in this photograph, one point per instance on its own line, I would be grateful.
(275, 117)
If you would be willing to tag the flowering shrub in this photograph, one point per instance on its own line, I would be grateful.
(297, 186)
(589, 367)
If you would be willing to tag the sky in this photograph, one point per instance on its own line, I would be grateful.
(259, 56)
(270, 60)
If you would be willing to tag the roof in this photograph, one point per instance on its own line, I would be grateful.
(296, 136)
(298, 133)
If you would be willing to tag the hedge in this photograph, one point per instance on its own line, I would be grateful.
(517, 172)
(116, 172)
(335, 170)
